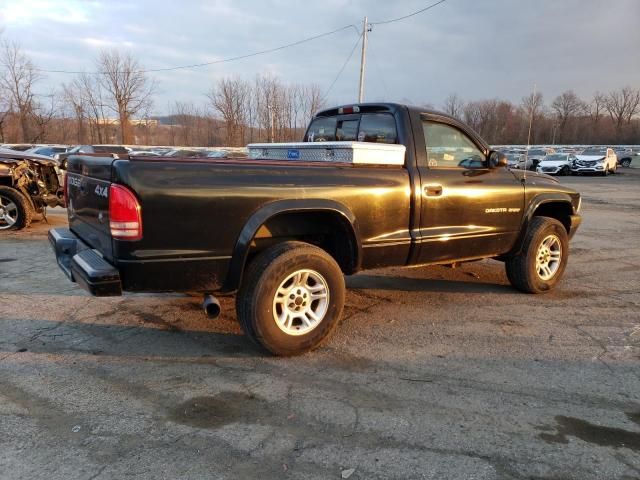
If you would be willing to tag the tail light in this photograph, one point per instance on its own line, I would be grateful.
(125, 214)
(65, 189)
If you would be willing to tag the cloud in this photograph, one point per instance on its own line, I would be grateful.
(30, 12)
(493, 48)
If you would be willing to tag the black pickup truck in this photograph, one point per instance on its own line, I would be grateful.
(282, 234)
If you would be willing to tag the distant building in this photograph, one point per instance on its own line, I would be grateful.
(145, 122)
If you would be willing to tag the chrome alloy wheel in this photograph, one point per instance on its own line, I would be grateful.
(301, 302)
(548, 257)
(8, 213)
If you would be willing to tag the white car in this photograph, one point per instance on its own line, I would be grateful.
(556, 164)
(596, 160)
(537, 154)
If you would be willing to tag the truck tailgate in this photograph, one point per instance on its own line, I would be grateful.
(88, 180)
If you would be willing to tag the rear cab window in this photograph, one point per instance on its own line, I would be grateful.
(362, 127)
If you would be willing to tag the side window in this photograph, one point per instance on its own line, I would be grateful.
(448, 147)
(378, 127)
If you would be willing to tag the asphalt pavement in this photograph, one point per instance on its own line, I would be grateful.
(434, 373)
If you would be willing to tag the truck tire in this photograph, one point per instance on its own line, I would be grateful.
(543, 259)
(16, 211)
(291, 298)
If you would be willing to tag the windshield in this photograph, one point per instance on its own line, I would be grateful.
(556, 157)
(592, 151)
(537, 152)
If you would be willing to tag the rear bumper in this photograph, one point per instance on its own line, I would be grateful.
(84, 265)
(574, 223)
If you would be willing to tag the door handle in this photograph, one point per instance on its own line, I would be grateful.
(432, 190)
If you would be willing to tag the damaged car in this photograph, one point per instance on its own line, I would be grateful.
(29, 183)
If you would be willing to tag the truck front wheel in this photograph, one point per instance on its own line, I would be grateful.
(16, 211)
(543, 259)
(291, 298)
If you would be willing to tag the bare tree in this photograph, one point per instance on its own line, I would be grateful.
(128, 89)
(76, 102)
(229, 98)
(312, 101)
(596, 107)
(17, 79)
(43, 114)
(566, 106)
(454, 105)
(622, 105)
(267, 91)
(533, 107)
(88, 97)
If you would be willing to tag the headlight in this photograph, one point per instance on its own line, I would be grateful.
(579, 205)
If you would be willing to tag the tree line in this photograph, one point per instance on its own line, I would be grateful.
(606, 118)
(114, 105)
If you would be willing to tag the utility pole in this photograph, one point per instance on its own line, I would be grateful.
(363, 58)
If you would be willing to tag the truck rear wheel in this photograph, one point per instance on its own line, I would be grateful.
(291, 298)
(16, 211)
(543, 259)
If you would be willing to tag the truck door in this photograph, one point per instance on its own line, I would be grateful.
(468, 210)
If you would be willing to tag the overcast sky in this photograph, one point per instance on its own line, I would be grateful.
(476, 48)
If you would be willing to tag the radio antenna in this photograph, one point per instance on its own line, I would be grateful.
(531, 109)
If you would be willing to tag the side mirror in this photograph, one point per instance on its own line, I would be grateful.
(497, 159)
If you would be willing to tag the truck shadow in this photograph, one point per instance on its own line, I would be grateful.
(383, 282)
(132, 342)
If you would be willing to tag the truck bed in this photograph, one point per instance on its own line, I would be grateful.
(197, 212)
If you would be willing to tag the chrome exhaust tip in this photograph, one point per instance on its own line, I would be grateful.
(211, 306)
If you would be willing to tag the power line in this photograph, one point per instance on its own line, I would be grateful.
(344, 65)
(382, 22)
(215, 62)
(248, 55)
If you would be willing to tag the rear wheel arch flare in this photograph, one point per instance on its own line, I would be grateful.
(289, 220)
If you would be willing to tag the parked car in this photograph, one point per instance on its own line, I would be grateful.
(79, 149)
(595, 160)
(556, 164)
(144, 153)
(571, 150)
(519, 161)
(29, 183)
(162, 151)
(625, 156)
(186, 153)
(18, 147)
(281, 228)
(536, 155)
(47, 150)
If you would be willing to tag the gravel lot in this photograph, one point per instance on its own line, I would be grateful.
(435, 373)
